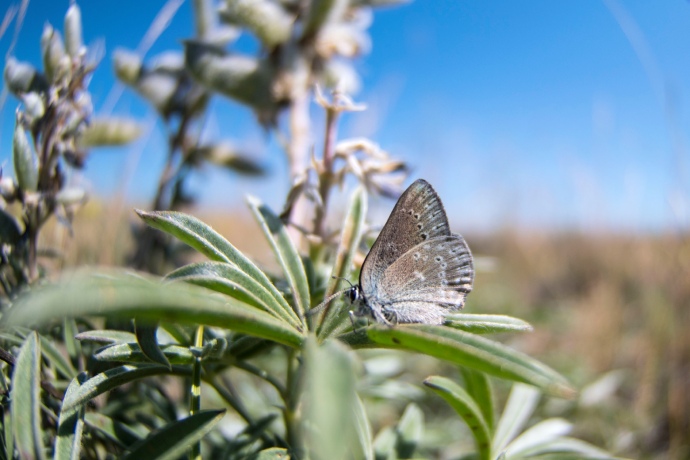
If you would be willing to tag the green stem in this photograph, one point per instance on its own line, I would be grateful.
(195, 400)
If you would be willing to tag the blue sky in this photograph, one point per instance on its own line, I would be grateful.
(567, 114)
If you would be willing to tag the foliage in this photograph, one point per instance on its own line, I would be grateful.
(265, 354)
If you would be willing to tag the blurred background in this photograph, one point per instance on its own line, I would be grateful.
(556, 134)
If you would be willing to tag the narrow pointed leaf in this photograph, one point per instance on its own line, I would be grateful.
(70, 426)
(565, 448)
(409, 430)
(467, 408)
(72, 344)
(285, 252)
(230, 280)
(111, 379)
(486, 324)
(175, 439)
(148, 342)
(118, 432)
(472, 351)
(106, 336)
(519, 407)
(26, 400)
(349, 242)
(546, 430)
(53, 355)
(363, 448)
(132, 353)
(329, 397)
(479, 388)
(123, 295)
(210, 243)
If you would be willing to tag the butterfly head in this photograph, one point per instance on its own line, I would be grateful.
(354, 294)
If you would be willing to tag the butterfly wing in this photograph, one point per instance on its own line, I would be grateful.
(428, 281)
(418, 216)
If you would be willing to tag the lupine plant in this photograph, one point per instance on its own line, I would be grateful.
(237, 362)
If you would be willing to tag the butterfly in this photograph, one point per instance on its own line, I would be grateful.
(417, 271)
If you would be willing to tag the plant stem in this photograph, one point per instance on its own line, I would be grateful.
(195, 400)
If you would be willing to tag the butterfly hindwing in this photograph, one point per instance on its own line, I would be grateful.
(418, 216)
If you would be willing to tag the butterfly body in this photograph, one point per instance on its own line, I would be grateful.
(416, 271)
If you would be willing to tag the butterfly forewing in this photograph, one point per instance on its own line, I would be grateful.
(418, 216)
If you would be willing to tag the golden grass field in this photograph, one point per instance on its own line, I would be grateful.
(609, 306)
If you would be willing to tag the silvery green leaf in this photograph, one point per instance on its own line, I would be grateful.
(33, 105)
(519, 407)
(243, 78)
(329, 381)
(320, 12)
(25, 161)
(109, 131)
(70, 426)
(71, 195)
(22, 77)
(544, 431)
(26, 403)
(127, 65)
(158, 88)
(53, 51)
(73, 35)
(410, 429)
(267, 19)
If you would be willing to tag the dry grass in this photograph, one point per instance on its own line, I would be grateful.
(598, 303)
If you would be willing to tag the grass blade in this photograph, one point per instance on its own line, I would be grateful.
(467, 408)
(132, 353)
(175, 439)
(286, 253)
(473, 351)
(26, 401)
(349, 241)
(207, 241)
(122, 295)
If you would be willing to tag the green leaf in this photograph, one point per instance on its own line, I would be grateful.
(267, 20)
(148, 342)
(118, 432)
(53, 355)
(409, 431)
(70, 426)
(486, 324)
(132, 353)
(565, 448)
(328, 398)
(120, 294)
(467, 408)
(25, 160)
(109, 131)
(72, 344)
(286, 253)
(207, 241)
(519, 407)
(479, 388)
(537, 435)
(384, 444)
(175, 439)
(111, 379)
(26, 400)
(230, 280)
(106, 336)
(342, 268)
(472, 351)
(362, 448)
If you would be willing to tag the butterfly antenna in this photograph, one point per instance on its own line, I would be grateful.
(344, 279)
(325, 302)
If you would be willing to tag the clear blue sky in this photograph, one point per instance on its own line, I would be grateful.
(534, 113)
